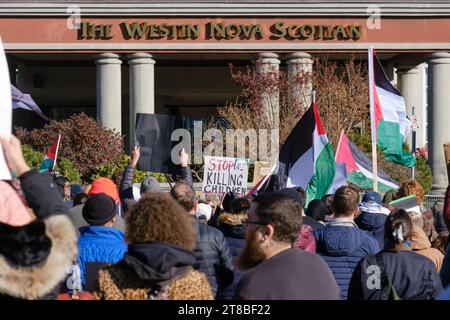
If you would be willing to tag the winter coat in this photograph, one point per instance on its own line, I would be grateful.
(342, 247)
(306, 239)
(213, 256)
(150, 268)
(234, 232)
(34, 258)
(422, 245)
(373, 223)
(12, 210)
(413, 276)
(292, 274)
(312, 223)
(100, 244)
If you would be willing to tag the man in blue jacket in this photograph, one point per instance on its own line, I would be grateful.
(99, 242)
(341, 243)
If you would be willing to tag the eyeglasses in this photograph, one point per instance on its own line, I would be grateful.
(247, 222)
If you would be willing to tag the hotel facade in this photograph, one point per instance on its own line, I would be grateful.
(113, 59)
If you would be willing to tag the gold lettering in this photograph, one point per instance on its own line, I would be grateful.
(290, 31)
(309, 34)
(136, 30)
(163, 30)
(193, 31)
(232, 34)
(340, 31)
(217, 29)
(327, 33)
(279, 28)
(246, 30)
(152, 32)
(355, 32)
(85, 30)
(108, 31)
(258, 30)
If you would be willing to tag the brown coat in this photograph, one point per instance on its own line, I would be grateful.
(422, 245)
(115, 283)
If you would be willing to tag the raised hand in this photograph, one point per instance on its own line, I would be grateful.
(12, 150)
(184, 158)
(135, 154)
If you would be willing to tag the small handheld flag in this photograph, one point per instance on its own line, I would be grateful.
(50, 158)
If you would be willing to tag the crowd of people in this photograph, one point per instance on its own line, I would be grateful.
(60, 241)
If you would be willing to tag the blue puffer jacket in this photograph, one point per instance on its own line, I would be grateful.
(234, 232)
(342, 247)
(100, 244)
(373, 223)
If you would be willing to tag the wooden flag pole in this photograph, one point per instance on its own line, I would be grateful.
(372, 120)
(56, 153)
(339, 143)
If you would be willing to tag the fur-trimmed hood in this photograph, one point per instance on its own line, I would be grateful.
(231, 219)
(231, 225)
(39, 279)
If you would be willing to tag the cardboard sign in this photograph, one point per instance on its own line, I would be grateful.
(222, 174)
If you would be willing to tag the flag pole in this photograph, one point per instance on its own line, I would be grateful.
(372, 120)
(339, 143)
(56, 153)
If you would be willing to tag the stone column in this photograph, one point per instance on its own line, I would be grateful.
(410, 85)
(109, 93)
(299, 76)
(268, 66)
(142, 88)
(438, 117)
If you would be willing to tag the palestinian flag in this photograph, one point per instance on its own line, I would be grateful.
(306, 158)
(390, 126)
(409, 203)
(50, 158)
(359, 167)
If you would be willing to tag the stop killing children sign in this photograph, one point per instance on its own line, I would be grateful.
(223, 174)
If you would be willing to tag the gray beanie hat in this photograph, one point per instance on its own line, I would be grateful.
(150, 184)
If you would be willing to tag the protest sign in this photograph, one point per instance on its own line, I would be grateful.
(6, 104)
(153, 135)
(222, 174)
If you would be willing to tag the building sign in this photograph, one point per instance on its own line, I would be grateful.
(222, 174)
(219, 31)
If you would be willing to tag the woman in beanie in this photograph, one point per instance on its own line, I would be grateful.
(396, 272)
(35, 256)
(159, 262)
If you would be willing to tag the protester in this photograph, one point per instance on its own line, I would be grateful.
(445, 270)
(372, 216)
(224, 207)
(35, 256)
(414, 187)
(295, 195)
(99, 242)
(276, 270)
(232, 227)
(404, 273)
(149, 184)
(422, 245)
(80, 198)
(318, 210)
(99, 185)
(75, 189)
(212, 254)
(203, 212)
(388, 197)
(341, 243)
(328, 199)
(63, 186)
(159, 262)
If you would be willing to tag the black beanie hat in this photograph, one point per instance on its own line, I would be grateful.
(99, 209)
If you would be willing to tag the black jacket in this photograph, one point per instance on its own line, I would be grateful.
(213, 257)
(413, 276)
(233, 229)
(34, 258)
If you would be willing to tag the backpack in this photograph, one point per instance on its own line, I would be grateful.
(387, 289)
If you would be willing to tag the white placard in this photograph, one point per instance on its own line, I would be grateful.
(222, 174)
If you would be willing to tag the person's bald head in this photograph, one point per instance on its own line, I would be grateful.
(184, 194)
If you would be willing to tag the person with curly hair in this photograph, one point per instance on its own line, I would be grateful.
(160, 259)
